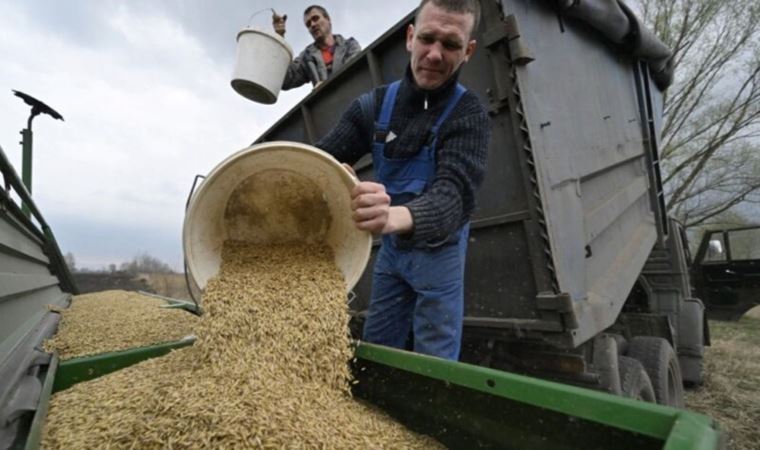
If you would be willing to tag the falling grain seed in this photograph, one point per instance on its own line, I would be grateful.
(269, 370)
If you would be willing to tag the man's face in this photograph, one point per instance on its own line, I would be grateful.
(318, 25)
(440, 43)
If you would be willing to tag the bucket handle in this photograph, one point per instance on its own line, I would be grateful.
(184, 260)
(192, 189)
(250, 19)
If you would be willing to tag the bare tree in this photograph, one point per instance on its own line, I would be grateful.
(145, 263)
(710, 151)
(70, 261)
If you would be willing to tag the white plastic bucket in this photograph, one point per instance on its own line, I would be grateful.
(261, 63)
(274, 192)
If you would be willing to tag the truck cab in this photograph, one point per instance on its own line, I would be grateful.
(726, 271)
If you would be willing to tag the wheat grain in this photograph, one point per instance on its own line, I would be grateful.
(110, 321)
(269, 370)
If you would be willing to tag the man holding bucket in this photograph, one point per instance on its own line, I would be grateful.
(328, 53)
(429, 139)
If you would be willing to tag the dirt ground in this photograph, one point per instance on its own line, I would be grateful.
(731, 391)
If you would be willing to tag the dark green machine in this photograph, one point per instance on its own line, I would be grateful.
(33, 277)
(38, 108)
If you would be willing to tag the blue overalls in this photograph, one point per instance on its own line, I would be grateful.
(416, 286)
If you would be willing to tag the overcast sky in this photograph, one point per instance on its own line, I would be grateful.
(143, 86)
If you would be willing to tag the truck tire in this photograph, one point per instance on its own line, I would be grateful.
(634, 381)
(661, 364)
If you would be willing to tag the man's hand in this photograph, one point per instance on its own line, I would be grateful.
(372, 210)
(278, 23)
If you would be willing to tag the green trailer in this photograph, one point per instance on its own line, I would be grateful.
(461, 405)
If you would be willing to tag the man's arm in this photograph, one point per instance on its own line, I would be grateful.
(460, 168)
(352, 48)
(297, 74)
(350, 139)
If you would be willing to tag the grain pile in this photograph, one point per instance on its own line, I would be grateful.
(269, 370)
(110, 321)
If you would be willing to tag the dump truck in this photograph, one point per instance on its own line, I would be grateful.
(578, 296)
(574, 270)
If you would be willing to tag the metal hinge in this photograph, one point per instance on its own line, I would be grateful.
(559, 303)
(509, 31)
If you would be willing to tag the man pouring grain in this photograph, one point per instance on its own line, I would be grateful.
(429, 138)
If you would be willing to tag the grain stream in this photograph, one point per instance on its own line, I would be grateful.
(269, 370)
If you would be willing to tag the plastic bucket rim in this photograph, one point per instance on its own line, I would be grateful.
(269, 97)
(201, 190)
(275, 37)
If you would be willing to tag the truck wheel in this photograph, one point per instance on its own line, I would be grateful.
(661, 364)
(634, 381)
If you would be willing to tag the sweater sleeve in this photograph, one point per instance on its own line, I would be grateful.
(353, 48)
(297, 73)
(450, 200)
(350, 139)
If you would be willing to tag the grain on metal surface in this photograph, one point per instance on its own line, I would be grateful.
(110, 321)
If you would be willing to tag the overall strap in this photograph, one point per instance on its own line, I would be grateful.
(383, 122)
(458, 93)
(367, 106)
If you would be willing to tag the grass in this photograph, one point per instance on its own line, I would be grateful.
(731, 391)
